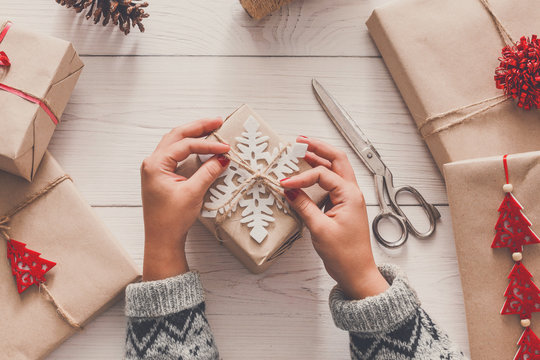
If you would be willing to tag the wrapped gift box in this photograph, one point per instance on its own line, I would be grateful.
(475, 193)
(34, 90)
(259, 226)
(442, 56)
(92, 269)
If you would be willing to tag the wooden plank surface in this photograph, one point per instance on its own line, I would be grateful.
(283, 313)
(122, 106)
(212, 27)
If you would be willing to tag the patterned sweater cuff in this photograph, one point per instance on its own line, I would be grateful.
(164, 297)
(377, 313)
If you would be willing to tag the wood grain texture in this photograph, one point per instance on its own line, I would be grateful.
(283, 313)
(212, 27)
(122, 106)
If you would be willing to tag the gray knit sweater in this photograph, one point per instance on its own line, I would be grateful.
(166, 320)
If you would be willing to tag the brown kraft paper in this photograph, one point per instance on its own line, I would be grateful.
(234, 235)
(442, 56)
(46, 68)
(475, 193)
(92, 268)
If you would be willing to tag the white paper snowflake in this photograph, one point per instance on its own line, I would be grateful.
(257, 200)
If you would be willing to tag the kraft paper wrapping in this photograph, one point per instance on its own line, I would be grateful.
(235, 236)
(92, 268)
(475, 193)
(442, 56)
(46, 68)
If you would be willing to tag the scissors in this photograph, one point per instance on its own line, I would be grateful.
(384, 183)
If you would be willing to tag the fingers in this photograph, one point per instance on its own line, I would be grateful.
(315, 160)
(337, 158)
(209, 171)
(305, 208)
(326, 178)
(196, 128)
(182, 149)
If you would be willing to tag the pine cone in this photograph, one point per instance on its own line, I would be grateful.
(124, 13)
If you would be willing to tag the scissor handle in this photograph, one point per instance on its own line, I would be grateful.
(402, 223)
(431, 211)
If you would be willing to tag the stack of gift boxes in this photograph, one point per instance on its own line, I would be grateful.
(445, 57)
(59, 265)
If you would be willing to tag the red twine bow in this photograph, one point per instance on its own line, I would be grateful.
(519, 72)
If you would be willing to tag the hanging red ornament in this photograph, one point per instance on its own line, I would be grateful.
(26, 265)
(519, 72)
(522, 295)
(529, 346)
(513, 228)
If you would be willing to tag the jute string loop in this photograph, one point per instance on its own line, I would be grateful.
(257, 177)
(507, 39)
(4, 228)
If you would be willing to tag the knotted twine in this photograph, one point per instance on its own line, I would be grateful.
(257, 177)
(507, 39)
(4, 228)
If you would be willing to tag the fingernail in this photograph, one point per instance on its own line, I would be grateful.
(292, 194)
(284, 179)
(302, 136)
(223, 160)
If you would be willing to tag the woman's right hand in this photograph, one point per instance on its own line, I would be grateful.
(341, 234)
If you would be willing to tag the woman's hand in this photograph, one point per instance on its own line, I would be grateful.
(341, 235)
(171, 203)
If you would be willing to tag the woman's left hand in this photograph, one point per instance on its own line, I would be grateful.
(171, 203)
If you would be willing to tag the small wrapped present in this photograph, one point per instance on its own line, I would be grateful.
(245, 208)
(475, 193)
(61, 266)
(443, 57)
(37, 75)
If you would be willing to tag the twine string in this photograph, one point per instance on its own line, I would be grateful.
(507, 39)
(4, 228)
(256, 177)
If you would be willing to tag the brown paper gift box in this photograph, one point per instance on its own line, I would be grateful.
(92, 268)
(46, 68)
(236, 236)
(475, 193)
(442, 56)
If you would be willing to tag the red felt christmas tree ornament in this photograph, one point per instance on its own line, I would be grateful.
(518, 73)
(522, 295)
(27, 266)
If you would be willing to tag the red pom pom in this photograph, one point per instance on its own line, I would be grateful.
(519, 72)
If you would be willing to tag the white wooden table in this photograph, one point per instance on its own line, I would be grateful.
(205, 58)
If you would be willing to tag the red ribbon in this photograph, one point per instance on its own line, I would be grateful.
(4, 61)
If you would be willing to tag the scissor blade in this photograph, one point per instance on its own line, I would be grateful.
(342, 120)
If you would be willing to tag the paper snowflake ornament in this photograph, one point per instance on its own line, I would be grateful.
(27, 266)
(257, 201)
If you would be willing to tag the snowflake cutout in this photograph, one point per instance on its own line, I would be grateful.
(257, 201)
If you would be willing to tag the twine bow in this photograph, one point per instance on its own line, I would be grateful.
(257, 176)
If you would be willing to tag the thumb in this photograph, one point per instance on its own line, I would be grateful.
(209, 171)
(305, 208)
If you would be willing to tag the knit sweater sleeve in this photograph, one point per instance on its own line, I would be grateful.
(166, 320)
(391, 325)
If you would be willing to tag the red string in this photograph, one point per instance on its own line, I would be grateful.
(20, 93)
(5, 30)
(506, 167)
